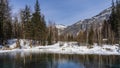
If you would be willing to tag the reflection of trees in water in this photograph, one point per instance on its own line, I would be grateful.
(99, 61)
(53, 60)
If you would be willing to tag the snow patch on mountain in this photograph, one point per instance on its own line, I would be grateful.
(86, 23)
(60, 26)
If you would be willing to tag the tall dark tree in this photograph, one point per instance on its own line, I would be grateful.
(44, 30)
(5, 21)
(27, 24)
(16, 28)
(1, 21)
(26, 21)
(118, 19)
(91, 36)
(38, 22)
(114, 19)
(50, 36)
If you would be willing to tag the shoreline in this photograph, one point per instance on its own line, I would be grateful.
(57, 51)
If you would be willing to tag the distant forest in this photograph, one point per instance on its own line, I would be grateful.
(32, 26)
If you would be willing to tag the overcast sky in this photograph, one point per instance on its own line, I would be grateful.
(64, 12)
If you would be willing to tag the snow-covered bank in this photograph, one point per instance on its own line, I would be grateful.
(66, 48)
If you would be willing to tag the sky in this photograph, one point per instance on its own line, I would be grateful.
(66, 12)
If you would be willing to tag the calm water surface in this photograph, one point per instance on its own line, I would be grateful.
(44, 60)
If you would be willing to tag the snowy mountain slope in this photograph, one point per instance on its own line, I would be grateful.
(83, 24)
(60, 28)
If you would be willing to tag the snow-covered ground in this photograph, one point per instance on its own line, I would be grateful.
(64, 48)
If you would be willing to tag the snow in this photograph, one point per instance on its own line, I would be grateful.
(66, 48)
(61, 27)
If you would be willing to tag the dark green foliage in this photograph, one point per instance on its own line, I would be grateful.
(5, 21)
(26, 21)
(38, 22)
(30, 26)
(44, 31)
(91, 36)
(105, 28)
(50, 36)
(16, 28)
(1, 21)
(70, 37)
(114, 20)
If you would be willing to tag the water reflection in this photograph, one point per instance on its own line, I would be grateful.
(43, 60)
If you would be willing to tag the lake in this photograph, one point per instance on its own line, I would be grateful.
(44, 60)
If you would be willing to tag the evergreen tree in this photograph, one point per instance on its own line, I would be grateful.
(114, 20)
(118, 19)
(1, 21)
(5, 21)
(16, 28)
(44, 30)
(50, 36)
(27, 24)
(38, 22)
(81, 37)
(26, 21)
(91, 36)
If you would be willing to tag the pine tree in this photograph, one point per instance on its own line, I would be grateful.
(39, 24)
(44, 30)
(26, 21)
(5, 21)
(91, 36)
(1, 21)
(36, 20)
(27, 24)
(50, 36)
(114, 20)
(107, 33)
(51, 33)
(16, 28)
(118, 19)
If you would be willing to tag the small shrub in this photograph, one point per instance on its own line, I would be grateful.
(18, 44)
(61, 44)
(108, 49)
(89, 47)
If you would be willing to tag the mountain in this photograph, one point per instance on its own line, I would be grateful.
(60, 28)
(85, 24)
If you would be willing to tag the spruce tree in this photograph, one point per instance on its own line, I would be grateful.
(118, 20)
(27, 24)
(44, 30)
(114, 20)
(50, 35)
(17, 29)
(91, 36)
(5, 21)
(1, 21)
(38, 22)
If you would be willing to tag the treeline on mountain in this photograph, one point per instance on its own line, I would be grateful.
(107, 32)
(32, 26)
